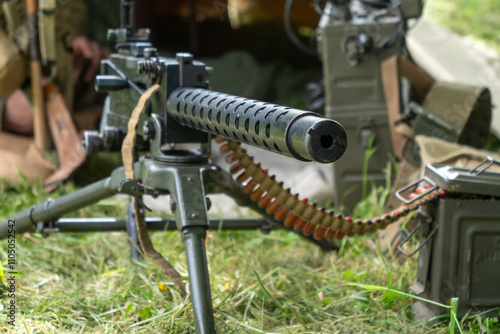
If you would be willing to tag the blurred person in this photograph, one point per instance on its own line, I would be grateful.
(77, 63)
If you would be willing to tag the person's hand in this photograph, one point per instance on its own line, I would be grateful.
(86, 57)
(18, 114)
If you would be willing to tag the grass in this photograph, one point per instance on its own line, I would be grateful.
(275, 283)
(477, 18)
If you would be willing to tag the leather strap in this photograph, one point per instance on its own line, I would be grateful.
(128, 156)
(64, 135)
(391, 69)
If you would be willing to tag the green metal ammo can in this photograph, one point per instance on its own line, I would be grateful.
(459, 254)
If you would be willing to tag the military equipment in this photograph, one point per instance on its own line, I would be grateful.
(178, 163)
(452, 112)
(47, 28)
(302, 135)
(449, 112)
(354, 38)
(12, 68)
(40, 130)
(14, 13)
(11, 62)
(179, 115)
(459, 249)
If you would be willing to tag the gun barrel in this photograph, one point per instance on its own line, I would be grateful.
(303, 135)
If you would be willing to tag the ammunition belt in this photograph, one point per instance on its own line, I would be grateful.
(300, 215)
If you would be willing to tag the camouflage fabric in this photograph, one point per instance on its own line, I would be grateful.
(72, 20)
(12, 65)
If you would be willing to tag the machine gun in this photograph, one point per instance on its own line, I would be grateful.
(176, 128)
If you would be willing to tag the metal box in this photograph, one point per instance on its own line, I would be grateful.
(355, 98)
(462, 259)
(411, 8)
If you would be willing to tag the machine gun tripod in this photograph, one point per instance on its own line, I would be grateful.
(187, 183)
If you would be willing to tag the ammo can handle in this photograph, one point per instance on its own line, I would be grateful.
(428, 219)
(489, 160)
(413, 185)
(422, 244)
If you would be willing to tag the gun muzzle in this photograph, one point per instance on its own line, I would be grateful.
(300, 134)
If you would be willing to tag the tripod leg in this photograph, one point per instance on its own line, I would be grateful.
(135, 245)
(199, 283)
(187, 191)
(51, 210)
